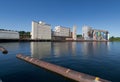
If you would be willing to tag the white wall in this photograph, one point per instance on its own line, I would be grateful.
(61, 31)
(74, 36)
(9, 35)
(34, 30)
(41, 31)
(85, 30)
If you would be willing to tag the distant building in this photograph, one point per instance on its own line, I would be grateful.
(5, 34)
(74, 36)
(41, 30)
(61, 31)
(94, 34)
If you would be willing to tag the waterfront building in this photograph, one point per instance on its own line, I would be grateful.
(74, 36)
(41, 30)
(85, 30)
(6, 34)
(61, 31)
(94, 34)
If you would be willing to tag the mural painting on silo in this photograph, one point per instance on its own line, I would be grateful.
(94, 34)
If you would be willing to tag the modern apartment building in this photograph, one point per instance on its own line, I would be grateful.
(41, 30)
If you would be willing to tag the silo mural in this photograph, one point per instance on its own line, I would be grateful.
(94, 34)
(87, 32)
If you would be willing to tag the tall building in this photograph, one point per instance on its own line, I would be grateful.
(41, 30)
(61, 31)
(74, 33)
(94, 34)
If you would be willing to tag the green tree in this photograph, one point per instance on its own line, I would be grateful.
(79, 36)
(22, 32)
(114, 38)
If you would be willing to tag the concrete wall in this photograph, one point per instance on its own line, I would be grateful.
(9, 35)
(74, 36)
(94, 34)
(61, 31)
(41, 30)
(34, 30)
(85, 31)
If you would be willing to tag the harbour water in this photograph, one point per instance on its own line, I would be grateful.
(101, 59)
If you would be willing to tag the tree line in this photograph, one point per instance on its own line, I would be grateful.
(24, 35)
(114, 38)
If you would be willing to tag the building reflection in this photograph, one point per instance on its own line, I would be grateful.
(108, 45)
(74, 45)
(95, 47)
(55, 49)
(58, 49)
(40, 49)
(87, 47)
(62, 49)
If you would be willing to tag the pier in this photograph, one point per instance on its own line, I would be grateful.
(66, 72)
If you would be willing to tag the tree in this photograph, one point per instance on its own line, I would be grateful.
(79, 36)
(114, 38)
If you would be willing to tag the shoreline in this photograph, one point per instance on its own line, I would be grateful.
(31, 40)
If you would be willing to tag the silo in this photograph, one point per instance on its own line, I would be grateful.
(108, 36)
(86, 30)
(74, 33)
(34, 30)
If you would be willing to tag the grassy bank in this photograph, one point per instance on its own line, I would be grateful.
(114, 38)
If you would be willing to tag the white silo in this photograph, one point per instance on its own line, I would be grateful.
(74, 36)
(85, 32)
(34, 30)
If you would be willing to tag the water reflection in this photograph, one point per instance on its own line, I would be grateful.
(10, 46)
(56, 49)
(74, 45)
(0, 80)
(95, 47)
(40, 49)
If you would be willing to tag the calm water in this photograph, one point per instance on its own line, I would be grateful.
(95, 58)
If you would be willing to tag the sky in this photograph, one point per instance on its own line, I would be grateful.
(99, 14)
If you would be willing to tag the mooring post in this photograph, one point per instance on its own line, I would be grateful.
(69, 73)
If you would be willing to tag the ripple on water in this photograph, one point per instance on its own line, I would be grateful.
(0, 80)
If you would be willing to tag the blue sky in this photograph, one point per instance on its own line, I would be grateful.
(99, 14)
